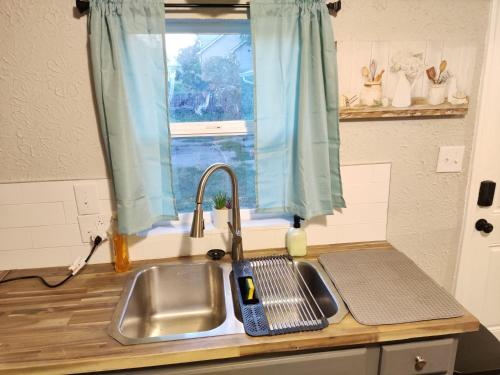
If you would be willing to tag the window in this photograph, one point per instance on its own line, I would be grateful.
(210, 95)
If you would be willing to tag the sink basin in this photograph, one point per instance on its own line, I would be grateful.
(189, 300)
(174, 302)
(321, 287)
(323, 290)
(170, 300)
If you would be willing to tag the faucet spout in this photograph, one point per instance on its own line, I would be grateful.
(198, 226)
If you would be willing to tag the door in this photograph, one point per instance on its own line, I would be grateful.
(478, 280)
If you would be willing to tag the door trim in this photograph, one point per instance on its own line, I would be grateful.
(489, 69)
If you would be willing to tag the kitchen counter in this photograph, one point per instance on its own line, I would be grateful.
(64, 330)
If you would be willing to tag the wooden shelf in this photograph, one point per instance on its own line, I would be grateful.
(419, 109)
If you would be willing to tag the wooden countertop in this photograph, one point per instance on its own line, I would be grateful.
(63, 330)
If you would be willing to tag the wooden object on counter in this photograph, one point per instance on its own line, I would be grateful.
(63, 330)
(418, 109)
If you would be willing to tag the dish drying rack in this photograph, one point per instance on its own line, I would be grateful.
(283, 303)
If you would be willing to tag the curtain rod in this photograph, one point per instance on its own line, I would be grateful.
(334, 8)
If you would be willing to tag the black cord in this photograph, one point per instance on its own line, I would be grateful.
(97, 242)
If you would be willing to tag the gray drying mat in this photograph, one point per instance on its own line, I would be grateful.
(385, 287)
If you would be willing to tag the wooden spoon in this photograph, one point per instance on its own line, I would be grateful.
(442, 68)
(378, 78)
(431, 74)
(365, 73)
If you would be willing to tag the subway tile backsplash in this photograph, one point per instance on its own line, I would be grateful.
(39, 225)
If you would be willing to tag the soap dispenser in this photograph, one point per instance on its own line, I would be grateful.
(296, 241)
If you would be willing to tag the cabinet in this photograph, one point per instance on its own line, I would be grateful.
(435, 357)
(357, 361)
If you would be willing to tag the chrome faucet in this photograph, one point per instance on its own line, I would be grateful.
(198, 224)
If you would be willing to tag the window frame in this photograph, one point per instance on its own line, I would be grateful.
(209, 26)
(214, 128)
(211, 128)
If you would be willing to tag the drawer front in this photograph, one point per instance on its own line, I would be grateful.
(425, 357)
(359, 361)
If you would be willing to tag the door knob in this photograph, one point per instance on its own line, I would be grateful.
(483, 226)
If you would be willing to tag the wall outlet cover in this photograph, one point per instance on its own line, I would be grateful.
(450, 159)
(86, 199)
(93, 225)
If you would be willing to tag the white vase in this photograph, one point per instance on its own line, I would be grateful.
(220, 218)
(402, 95)
(437, 94)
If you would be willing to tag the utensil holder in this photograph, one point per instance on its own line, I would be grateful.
(436, 94)
(371, 94)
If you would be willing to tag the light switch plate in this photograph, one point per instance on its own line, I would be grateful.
(450, 159)
(86, 199)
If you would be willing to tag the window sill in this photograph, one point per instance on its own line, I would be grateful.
(183, 226)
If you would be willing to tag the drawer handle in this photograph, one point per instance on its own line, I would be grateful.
(420, 363)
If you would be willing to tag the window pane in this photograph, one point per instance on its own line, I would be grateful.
(192, 155)
(210, 74)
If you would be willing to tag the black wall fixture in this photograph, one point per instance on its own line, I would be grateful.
(486, 193)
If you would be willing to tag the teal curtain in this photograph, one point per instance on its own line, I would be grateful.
(297, 128)
(130, 75)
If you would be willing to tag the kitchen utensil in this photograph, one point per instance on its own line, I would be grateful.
(365, 72)
(431, 74)
(373, 69)
(378, 78)
(442, 68)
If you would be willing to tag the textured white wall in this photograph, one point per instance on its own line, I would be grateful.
(49, 129)
(425, 208)
(47, 118)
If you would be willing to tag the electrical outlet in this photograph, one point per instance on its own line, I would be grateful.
(86, 199)
(93, 225)
(450, 159)
(103, 224)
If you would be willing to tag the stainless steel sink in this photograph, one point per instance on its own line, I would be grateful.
(190, 300)
(174, 302)
(323, 290)
(321, 287)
